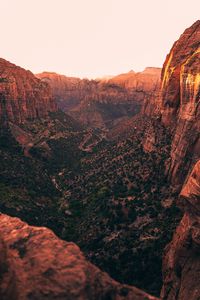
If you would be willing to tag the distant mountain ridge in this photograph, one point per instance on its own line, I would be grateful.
(90, 101)
(146, 80)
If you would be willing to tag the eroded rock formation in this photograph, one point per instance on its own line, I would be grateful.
(177, 103)
(22, 95)
(35, 264)
(181, 263)
(180, 100)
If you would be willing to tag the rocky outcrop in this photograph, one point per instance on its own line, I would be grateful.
(35, 264)
(22, 95)
(181, 263)
(179, 102)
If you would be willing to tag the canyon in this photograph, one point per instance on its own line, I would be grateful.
(100, 103)
(112, 165)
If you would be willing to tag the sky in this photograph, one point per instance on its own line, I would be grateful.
(92, 38)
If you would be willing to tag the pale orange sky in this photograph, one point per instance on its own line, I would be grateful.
(92, 38)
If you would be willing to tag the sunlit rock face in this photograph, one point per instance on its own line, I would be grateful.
(179, 102)
(22, 95)
(35, 264)
(180, 65)
(181, 263)
(177, 106)
(193, 185)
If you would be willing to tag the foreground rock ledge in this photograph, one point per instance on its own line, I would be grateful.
(35, 264)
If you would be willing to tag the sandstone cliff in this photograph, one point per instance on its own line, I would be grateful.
(179, 101)
(35, 264)
(181, 263)
(99, 103)
(177, 104)
(22, 95)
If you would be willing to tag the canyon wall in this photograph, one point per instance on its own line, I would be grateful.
(74, 90)
(181, 262)
(177, 103)
(22, 95)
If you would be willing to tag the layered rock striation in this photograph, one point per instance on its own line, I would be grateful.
(68, 91)
(22, 95)
(147, 81)
(180, 102)
(177, 104)
(73, 90)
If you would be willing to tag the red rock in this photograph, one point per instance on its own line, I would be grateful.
(181, 262)
(147, 81)
(69, 88)
(89, 100)
(22, 95)
(179, 102)
(35, 264)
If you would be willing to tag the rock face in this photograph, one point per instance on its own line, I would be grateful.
(176, 105)
(68, 91)
(22, 95)
(35, 264)
(179, 101)
(181, 263)
(148, 80)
